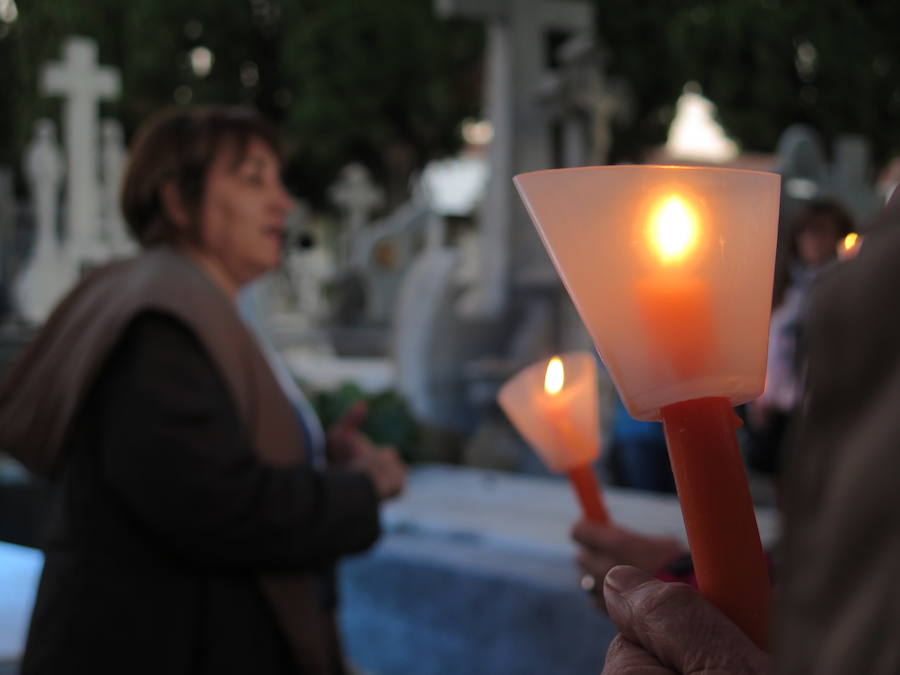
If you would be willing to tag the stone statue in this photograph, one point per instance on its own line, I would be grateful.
(113, 157)
(47, 274)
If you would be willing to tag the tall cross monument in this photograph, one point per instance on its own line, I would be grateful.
(517, 62)
(83, 84)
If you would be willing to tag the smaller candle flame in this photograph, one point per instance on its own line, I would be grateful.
(673, 229)
(555, 377)
(850, 241)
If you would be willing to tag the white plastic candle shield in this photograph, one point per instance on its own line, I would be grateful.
(670, 269)
(556, 410)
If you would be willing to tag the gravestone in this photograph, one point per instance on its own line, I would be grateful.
(356, 197)
(114, 157)
(800, 159)
(807, 174)
(47, 273)
(425, 345)
(312, 266)
(83, 84)
(851, 176)
(384, 250)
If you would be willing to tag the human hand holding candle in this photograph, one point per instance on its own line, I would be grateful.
(554, 406)
(671, 270)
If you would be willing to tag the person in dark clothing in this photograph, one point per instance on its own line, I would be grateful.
(193, 526)
(816, 231)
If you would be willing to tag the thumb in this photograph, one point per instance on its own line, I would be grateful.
(678, 626)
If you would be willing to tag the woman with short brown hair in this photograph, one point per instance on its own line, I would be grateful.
(190, 528)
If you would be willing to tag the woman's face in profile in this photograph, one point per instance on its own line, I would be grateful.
(243, 213)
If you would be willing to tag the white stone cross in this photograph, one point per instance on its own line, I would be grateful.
(84, 84)
(580, 97)
(357, 197)
(522, 138)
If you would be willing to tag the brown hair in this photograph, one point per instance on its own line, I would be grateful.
(178, 145)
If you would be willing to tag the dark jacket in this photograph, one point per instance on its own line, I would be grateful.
(162, 516)
(184, 512)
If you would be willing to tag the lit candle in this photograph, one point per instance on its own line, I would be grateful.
(676, 308)
(849, 246)
(674, 304)
(557, 415)
(671, 270)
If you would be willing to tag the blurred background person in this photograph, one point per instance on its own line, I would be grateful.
(814, 236)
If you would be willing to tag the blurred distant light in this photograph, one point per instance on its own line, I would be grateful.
(193, 29)
(477, 132)
(8, 11)
(249, 74)
(801, 188)
(183, 95)
(201, 61)
(850, 246)
(695, 134)
(456, 186)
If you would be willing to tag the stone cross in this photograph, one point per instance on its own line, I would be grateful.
(83, 84)
(113, 157)
(522, 141)
(583, 101)
(357, 197)
(46, 274)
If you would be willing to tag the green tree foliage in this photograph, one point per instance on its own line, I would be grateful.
(388, 420)
(834, 64)
(385, 83)
(388, 82)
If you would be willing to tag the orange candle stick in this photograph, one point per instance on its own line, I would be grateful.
(584, 482)
(718, 512)
(554, 406)
(671, 270)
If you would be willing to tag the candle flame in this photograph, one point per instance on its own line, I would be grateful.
(555, 377)
(674, 230)
(850, 241)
